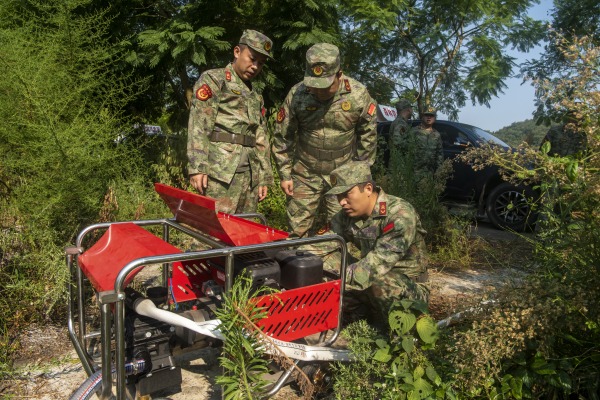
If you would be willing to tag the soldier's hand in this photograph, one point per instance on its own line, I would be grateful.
(288, 187)
(199, 182)
(262, 193)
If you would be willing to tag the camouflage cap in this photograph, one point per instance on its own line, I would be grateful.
(403, 104)
(257, 42)
(430, 111)
(322, 63)
(349, 175)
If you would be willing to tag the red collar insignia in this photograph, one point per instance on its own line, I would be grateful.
(382, 208)
(228, 76)
(347, 85)
(371, 109)
(281, 115)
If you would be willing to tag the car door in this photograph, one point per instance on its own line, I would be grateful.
(465, 183)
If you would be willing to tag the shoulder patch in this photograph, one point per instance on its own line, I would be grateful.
(323, 229)
(382, 208)
(347, 85)
(203, 93)
(388, 227)
(228, 76)
(371, 110)
(281, 115)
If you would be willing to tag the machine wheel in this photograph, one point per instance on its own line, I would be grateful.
(509, 207)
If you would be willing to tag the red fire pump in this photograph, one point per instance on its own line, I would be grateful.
(131, 347)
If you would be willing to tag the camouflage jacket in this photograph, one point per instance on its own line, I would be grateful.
(224, 104)
(425, 148)
(325, 135)
(398, 129)
(564, 142)
(390, 238)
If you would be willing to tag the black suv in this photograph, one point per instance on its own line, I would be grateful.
(504, 204)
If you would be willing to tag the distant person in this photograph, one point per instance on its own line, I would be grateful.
(388, 232)
(228, 150)
(423, 146)
(400, 125)
(566, 139)
(325, 121)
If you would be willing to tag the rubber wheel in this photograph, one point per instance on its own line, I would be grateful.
(509, 207)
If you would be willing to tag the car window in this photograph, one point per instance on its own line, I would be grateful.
(451, 136)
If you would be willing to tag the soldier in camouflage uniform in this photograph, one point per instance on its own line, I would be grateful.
(566, 140)
(325, 121)
(228, 152)
(388, 232)
(423, 146)
(400, 125)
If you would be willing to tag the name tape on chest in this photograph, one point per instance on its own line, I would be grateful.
(388, 227)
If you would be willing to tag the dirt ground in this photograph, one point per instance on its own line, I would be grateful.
(48, 367)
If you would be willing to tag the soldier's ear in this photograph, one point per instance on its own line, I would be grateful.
(237, 50)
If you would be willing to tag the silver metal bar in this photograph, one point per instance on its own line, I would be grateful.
(280, 382)
(106, 351)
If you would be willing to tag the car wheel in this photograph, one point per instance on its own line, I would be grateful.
(509, 207)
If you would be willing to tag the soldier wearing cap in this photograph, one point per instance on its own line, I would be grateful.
(325, 121)
(228, 151)
(422, 146)
(400, 125)
(388, 232)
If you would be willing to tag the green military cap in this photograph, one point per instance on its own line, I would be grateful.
(349, 175)
(403, 104)
(322, 63)
(430, 111)
(257, 42)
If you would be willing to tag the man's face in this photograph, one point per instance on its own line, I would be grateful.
(428, 120)
(326, 93)
(356, 203)
(406, 113)
(247, 63)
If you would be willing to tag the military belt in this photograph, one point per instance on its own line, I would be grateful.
(328, 155)
(244, 140)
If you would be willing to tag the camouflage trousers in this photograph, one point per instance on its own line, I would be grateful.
(374, 302)
(237, 197)
(303, 207)
(371, 298)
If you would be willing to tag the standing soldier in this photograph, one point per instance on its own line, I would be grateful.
(400, 125)
(423, 146)
(388, 232)
(227, 148)
(325, 121)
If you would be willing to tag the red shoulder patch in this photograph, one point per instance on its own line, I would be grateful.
(371, 110)
(203, 93)
(382, 208)
(281, 115)
(388, 227)
(228, 76)
(323, 229)
(347, 85)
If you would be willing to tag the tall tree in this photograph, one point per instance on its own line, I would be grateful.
(571, 21)
(438, 52)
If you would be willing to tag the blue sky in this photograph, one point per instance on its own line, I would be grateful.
(517, 102)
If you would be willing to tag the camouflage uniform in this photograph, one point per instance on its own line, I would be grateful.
(424, 148)
(391, 241)
(564, 142)
(312, 138)
(399, 126)
(227, 137)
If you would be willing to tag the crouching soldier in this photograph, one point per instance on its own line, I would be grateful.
(388, 232)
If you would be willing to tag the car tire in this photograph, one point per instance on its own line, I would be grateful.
(509, 207)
